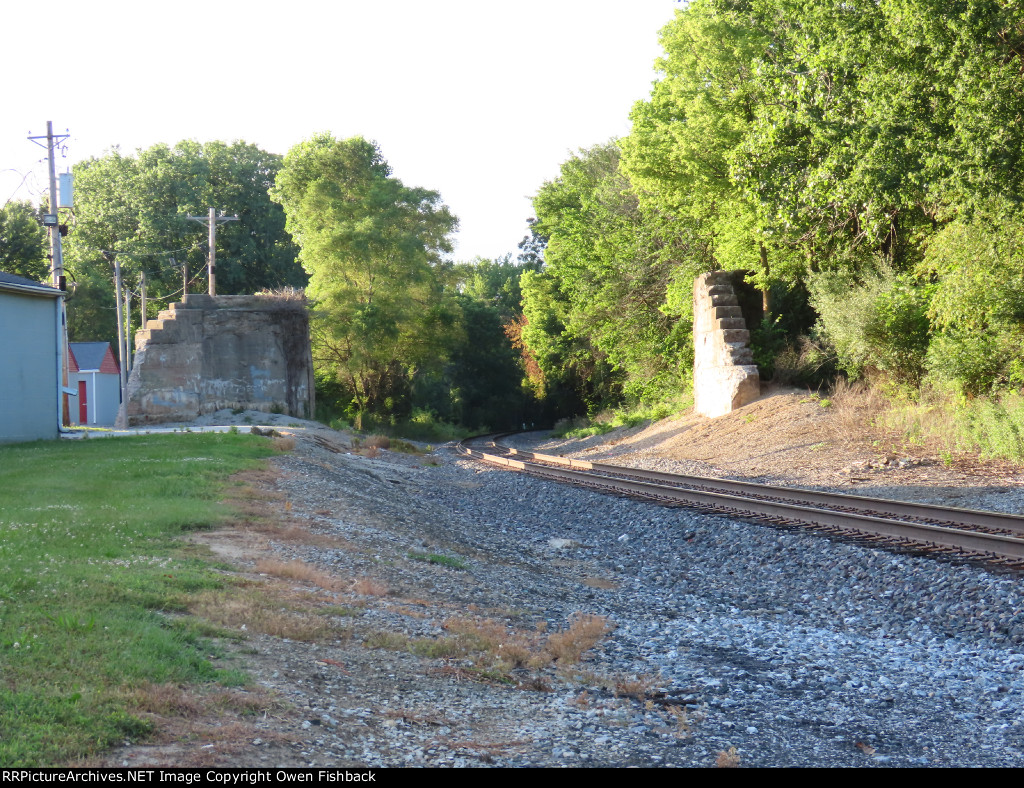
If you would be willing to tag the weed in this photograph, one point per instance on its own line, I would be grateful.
(584, 632)
(284, 443)
(298, 570)
(257, 609)
(365, 586)
(600, 582)
(377, 442)
(440, 560)
(728, 759)
(399, 445)
(638, 687)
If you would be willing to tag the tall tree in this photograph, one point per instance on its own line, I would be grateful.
(610, 266)
(23, 245)
(370, 245)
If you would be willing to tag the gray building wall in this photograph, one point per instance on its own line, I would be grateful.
(28, 367)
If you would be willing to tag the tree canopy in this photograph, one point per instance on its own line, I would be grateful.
(138, 206)
(867, 152)
(370, 245)
(23, 245)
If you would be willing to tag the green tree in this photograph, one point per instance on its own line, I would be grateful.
(23, 244)
(370, 245)
(610, 266)
(138, 205)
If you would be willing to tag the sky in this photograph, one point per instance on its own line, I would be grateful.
(479, 101)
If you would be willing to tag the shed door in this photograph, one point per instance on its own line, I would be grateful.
(83, 406)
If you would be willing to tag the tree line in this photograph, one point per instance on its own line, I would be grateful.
(401, 333)
(861, 160)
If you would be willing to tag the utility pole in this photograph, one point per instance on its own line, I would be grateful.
(142, 287)
(212, 220)
(128, 327)
(111, 258)
(52, 221)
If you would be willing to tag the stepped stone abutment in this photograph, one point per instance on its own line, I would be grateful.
(724, 374)
(213, 352)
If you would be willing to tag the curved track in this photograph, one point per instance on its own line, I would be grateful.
(995, 536)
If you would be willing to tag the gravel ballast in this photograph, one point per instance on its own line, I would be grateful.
(794, 649)
(732, 642)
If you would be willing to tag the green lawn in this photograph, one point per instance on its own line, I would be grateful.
(94, 577)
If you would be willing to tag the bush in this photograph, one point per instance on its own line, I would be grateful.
(879, 322)
(976, 363)
(804, 364)
(767, 341)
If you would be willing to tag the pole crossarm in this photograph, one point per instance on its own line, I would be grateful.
(212, 220)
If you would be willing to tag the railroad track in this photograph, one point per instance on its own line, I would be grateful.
(994, 536)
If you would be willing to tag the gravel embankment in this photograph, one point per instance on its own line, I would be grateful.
(794, 649)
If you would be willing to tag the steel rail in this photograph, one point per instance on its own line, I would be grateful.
(939, 515)
(935, 525)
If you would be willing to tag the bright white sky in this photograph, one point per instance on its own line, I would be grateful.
(478, 100)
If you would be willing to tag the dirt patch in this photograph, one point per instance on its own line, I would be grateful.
(797, 438)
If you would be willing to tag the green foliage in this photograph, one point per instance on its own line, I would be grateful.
(89, 577)
(598, 320)
(610, 420)
(370, 245)
(23, 244)
(452, 562)
(877, 322)
(139, 206)
(975, 362)
(767, 341)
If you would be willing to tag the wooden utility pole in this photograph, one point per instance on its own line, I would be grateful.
(128, 327)
(111, 257)
(52, 222)
(212, 220)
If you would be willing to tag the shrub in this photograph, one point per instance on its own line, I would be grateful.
(879, 322)
(976, 363)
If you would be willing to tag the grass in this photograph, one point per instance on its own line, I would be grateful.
(94, 579)
(490, 650)
(440, 560)
(936, 420)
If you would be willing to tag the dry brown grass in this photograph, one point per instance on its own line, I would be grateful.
(299, 570)
(728, 759)
(168, 700)
(585, 631)
(367, 586)
(377, 442)
(855, 410)
(638, 687)
(284, 443)
(259, 609)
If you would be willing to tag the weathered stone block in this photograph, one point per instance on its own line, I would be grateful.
(222, 352)
(725, 377)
